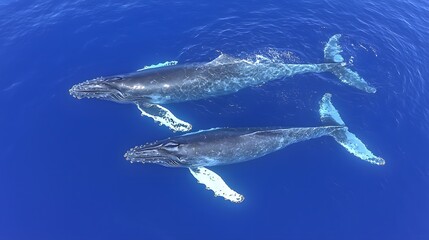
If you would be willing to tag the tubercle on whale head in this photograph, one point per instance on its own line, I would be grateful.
(165, 153)
(101, 88)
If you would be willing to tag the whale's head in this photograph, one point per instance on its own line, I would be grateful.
(166, 153)
(100, 88)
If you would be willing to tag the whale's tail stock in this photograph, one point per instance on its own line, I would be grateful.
(330, 116)
(332, 53)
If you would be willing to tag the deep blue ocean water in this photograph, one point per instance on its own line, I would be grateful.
(62, 171)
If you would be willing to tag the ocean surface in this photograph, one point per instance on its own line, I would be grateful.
(62, 170)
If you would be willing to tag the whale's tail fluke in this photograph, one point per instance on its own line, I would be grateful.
(329, 115)
(332, 53)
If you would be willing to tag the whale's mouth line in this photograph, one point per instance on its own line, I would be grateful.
(146, 158)
(80, 92)
(90, 91)
(144, 155)
(162, 160)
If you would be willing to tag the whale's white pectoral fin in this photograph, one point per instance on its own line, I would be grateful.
(163, 116)
(214, 182)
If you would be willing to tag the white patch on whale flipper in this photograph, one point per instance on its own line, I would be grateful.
(164, 117)
(164, 64)
(214, 182)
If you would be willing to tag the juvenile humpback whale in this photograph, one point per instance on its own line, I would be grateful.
(155, 85)
(222, 146)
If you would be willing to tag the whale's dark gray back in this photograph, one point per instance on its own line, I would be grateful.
(226, 146)
(184, 82)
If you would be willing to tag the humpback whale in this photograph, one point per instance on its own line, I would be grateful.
(153, 86)
(221, 146)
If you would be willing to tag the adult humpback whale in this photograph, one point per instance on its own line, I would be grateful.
(159, 84)
(222, 146)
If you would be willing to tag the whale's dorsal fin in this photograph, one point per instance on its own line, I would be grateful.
(214, 182)
(223, 59)
(164, 64)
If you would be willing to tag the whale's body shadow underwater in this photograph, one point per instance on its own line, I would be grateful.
(169, 82)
